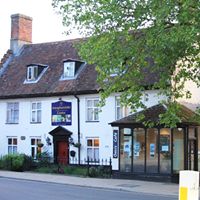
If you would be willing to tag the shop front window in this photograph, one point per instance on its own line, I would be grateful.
(152, 151)
(178, 150)
(165, 151)
(138, 149)
(125, 150)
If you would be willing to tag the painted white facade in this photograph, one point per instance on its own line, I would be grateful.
(100, 129)
(194, 101)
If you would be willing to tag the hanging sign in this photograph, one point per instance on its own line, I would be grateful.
(115, 143)
(61, 113)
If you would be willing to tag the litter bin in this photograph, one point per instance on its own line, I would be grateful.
(189, 185)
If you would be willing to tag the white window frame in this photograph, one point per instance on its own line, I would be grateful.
(34, 146)
(12, 148)
(121, 111)
(32, 73)
(69, 69)
(93, 150)
(36, 112)
(92, 111)
(12, 115)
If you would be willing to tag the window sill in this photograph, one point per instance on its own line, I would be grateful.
(12, 123)
(35, 122)
(91, 121)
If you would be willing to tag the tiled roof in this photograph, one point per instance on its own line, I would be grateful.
(152, 115)
(12, 81)
(50, 54)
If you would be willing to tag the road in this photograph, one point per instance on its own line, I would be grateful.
(32, 190)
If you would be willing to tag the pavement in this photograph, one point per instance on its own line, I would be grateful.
(159, 188)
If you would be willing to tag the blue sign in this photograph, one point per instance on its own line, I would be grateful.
(115, 144)
(61, 113)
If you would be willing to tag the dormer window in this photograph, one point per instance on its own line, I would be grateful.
(69, 69)
(34, 72)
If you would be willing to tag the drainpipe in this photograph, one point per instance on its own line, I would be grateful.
(78, 115)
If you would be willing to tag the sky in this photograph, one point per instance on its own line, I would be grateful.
(47, 25)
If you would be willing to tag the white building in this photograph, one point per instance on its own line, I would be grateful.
(49, 95)
(33, 77)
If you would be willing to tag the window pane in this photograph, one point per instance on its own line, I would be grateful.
(33, 152)
(39, 116)
(15, 116)
(151, 149)
(33, 119)
(89, 103)
(9, 149)
(15, 141)
(35, 71)
(14, 149)
(139, 150)
(119, 113)
(165, 151)
(90, 114)
(29, 73)
(38, 141)
(96, 114)
(12, 112)
(96, 142)
(117, 102)
(178, 150)
(125, 150)
(32, 141)
(89, 154)
(69, 69)
(9, 141)
(96, 103)
(38, 105)
(89, 143)
(96, 154)
(16, 106)
(33, 106)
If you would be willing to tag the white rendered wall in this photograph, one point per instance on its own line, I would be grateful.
(100, 129)
(194, 101)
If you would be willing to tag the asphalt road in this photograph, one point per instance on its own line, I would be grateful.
(32, 190)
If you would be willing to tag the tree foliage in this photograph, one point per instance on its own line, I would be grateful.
(129, 40)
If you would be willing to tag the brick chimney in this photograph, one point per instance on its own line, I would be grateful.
(21, 31)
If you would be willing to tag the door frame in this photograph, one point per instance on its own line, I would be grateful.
(60, 134)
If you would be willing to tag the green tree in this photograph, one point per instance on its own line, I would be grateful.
(135, 38)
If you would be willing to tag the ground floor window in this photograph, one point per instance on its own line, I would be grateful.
(155, 150)
(93, 149)
(12, 145)
(35, 149)
(165, 150)
(152, 150)
(126, 150)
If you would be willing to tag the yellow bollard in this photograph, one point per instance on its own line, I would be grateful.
(183, 192)
(188, 185)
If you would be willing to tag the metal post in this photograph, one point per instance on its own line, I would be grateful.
(88, 166)
(110, 167)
